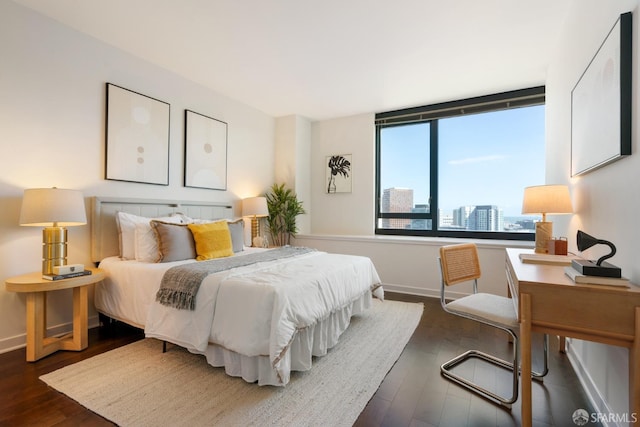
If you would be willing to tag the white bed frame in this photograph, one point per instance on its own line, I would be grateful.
(104, 233)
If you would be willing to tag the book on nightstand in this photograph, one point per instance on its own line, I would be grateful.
(595, 280)
(66, 276)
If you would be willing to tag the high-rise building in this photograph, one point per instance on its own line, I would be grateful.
(486, 218)
(396, 200)
(444, 220)
(461, 216)
(421, 224)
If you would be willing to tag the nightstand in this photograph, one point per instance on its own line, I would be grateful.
(36, 288)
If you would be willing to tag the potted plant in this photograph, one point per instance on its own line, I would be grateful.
(284, 207)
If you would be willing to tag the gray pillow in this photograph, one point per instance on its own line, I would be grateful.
(236, 228)
(175, 241)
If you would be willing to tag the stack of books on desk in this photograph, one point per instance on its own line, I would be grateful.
(66, 276)
(578, 277)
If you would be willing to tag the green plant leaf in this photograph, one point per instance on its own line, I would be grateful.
(284, 207)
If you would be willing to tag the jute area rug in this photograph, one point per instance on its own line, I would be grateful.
(138, 385)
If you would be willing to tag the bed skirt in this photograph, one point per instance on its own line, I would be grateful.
(312, 341)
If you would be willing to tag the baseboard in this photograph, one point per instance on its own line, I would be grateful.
(401, 289)
(12, 343)
(595, 397)
(430, 293)
(20, 341)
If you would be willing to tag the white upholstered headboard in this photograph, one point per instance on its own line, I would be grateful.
(104, 233)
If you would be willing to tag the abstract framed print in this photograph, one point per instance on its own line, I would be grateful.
(601, 102)
(137, 137)
(205, 152)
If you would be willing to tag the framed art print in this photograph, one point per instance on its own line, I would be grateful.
(338, 173)
(137, 137)
(205, 152)
(601, 103)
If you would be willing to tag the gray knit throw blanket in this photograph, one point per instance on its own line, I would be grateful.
(180, 284)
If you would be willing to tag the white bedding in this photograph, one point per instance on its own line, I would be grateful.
(260, 321)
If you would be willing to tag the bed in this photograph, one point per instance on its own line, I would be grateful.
(259, 313)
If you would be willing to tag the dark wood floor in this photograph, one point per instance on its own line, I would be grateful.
(413, 393)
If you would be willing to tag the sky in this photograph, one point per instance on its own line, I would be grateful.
(484, 159)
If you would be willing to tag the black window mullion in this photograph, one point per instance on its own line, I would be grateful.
(378, 189)
(433, 172)
(404, 215)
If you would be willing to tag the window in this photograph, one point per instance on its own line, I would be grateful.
(459, 169)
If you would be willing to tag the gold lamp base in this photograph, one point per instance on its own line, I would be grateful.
(54, 248)
(255, 231)
(544, 232)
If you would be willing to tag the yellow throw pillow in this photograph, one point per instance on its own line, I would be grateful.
(213, 240)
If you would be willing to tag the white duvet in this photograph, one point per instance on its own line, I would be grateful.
(255, 310)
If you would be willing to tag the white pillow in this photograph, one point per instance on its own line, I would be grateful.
(146, 244)
(127, 231)
(236, 228)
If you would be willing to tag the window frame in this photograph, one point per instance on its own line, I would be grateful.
(432, 113)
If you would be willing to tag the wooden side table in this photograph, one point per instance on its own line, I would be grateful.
(36, 288)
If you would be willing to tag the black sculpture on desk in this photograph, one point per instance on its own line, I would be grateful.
(600, 267)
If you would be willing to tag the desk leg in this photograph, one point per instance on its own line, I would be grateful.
(562, 345)
(525, 354)
(634, 372)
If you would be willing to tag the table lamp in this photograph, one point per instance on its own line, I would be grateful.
(546, 199)
(600, 267)
(54, 209)
(255, 207)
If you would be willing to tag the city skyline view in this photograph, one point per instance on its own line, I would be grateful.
(464, 218)
(484, 159)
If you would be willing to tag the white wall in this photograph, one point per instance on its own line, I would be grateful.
(606, 201)
(52, 113)
(343, 213)
(410, 265)
(292, 162)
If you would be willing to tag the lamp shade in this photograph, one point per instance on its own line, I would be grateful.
(52, 207)
(547, 199)
(255, 206)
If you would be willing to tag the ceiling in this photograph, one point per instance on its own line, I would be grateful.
(331, 58)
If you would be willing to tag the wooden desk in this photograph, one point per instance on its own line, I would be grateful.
(38, 344)
(548, 301)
